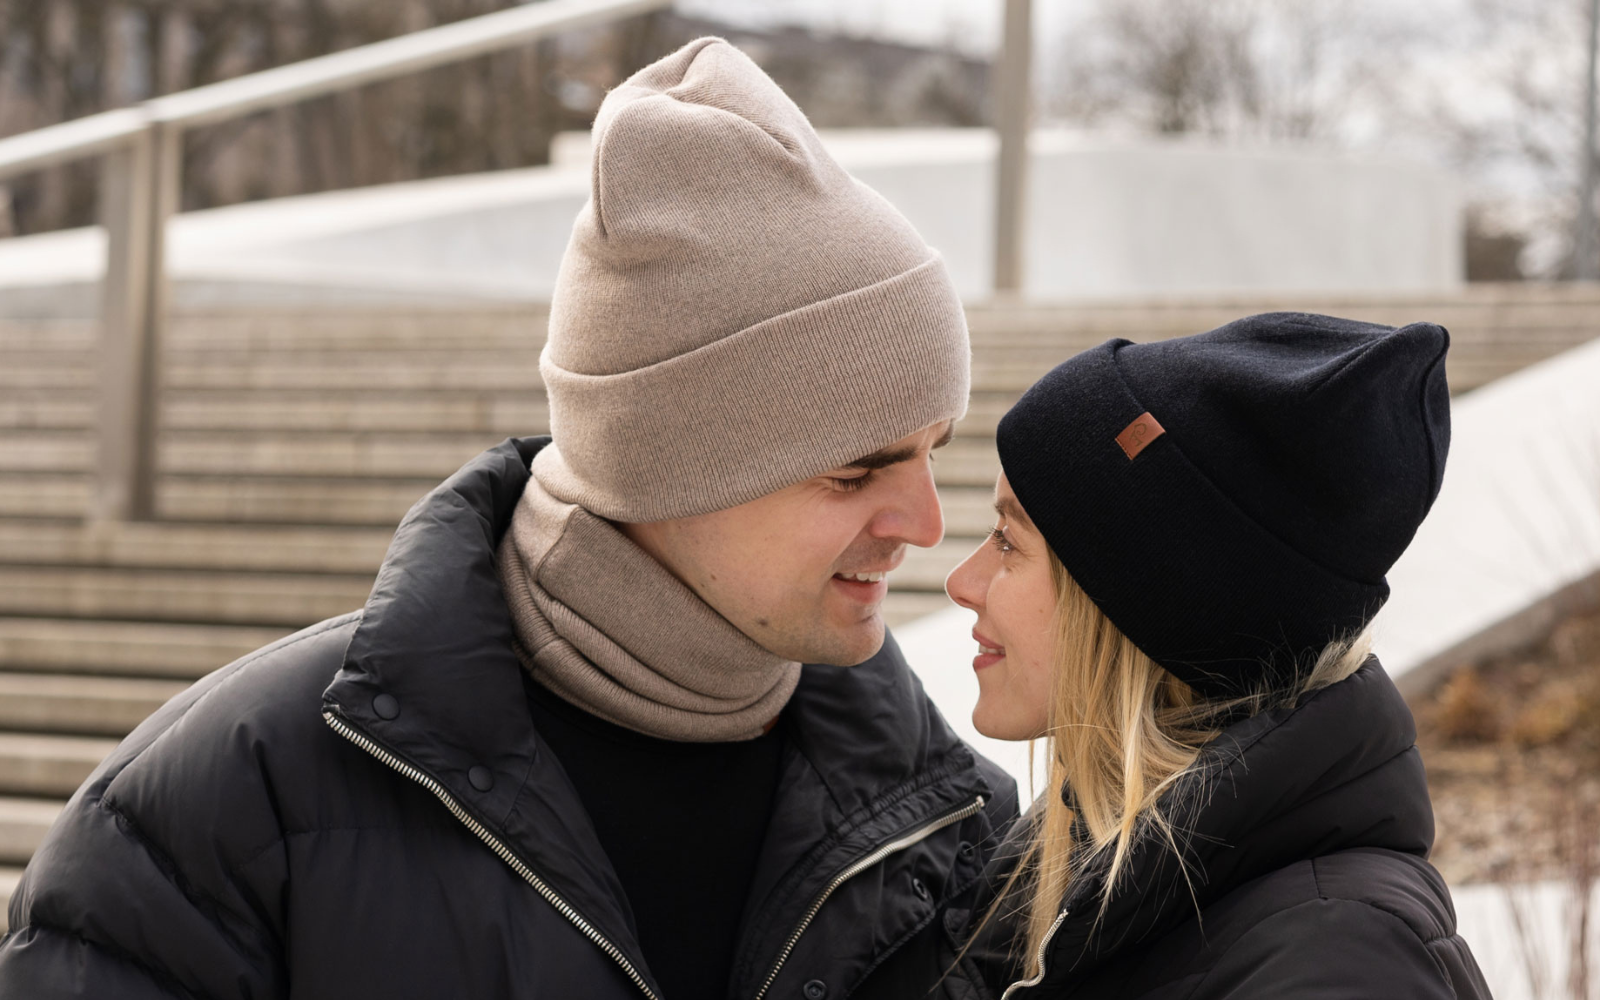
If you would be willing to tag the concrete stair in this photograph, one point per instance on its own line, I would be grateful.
(9, 877)
(23, 823)
(291, 443)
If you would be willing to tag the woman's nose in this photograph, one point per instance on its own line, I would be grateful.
(968, 583)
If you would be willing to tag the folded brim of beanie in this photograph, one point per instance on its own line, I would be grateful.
(834, 381)
(1140, 536)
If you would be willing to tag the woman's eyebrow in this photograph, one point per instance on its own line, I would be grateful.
(1009, 509)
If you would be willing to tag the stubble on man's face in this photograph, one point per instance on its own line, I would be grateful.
(803, 571)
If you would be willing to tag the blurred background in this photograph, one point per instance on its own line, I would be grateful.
(270, 269)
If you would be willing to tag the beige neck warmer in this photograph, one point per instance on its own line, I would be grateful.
(607, 628)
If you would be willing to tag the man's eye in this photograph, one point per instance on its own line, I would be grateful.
(852, 484)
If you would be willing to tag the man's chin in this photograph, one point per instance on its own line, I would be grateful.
(853, 644)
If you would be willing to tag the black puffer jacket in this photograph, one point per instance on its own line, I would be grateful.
(365, 810)
(1308, 864)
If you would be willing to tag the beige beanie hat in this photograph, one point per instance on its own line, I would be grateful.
(734, 312)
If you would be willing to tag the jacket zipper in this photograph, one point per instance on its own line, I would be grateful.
(495, 844)
(1044, 944)
(856, 868)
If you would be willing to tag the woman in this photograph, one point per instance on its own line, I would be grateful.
(1191, 544)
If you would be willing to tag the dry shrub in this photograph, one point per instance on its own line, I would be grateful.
(1576, 643)
(1465, 710)
(1549, 718)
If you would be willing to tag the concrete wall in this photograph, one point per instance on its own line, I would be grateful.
(1514, 538)
(1107, 218)
(1121, 218)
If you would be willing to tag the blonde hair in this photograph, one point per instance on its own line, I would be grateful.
(1122, 732)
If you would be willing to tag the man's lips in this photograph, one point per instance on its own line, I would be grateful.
(867, 586)
(873, 574)
(989, 651)
(863, 576)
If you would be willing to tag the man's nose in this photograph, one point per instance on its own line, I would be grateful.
(914, 515)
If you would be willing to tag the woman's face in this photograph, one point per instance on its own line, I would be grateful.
(1007, 582)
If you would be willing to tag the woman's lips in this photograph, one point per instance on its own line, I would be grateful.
(989, 651)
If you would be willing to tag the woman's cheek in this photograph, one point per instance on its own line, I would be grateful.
(1034, 686)
(1004, 711)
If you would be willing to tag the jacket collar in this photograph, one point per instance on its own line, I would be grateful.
(431, 676)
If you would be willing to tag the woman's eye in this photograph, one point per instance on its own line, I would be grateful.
(997, 535)
(852, 484)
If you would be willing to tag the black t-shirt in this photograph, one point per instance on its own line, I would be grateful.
(683, 825)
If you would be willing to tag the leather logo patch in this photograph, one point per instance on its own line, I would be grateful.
(1136, 437)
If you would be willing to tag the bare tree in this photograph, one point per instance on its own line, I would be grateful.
(1244, 69)
(1516, 129)
(61, 59)
(1495, 89)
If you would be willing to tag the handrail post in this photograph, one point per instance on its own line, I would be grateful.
(1011, 78)
(165, 197)
(120, 488)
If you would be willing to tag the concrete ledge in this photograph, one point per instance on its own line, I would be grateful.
(23, 824)
(46, 451)
(166, 545)
(288, 599)
(82, 706)
(16, 376)
(279, 372)
(137, 649)
(44, 496)
(54, 410)
(491, 416)
(1514, 537)
(1520, 631)
(48, 766)
(282, 499)
(9, 877)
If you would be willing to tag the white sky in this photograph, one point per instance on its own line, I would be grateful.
(970, 25)
(1448, 67)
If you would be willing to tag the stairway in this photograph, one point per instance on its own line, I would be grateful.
(292, 442)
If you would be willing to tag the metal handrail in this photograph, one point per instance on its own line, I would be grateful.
(387, 59)
(142, 181)
(81, 137)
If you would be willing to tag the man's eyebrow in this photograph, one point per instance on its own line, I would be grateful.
(894, 456)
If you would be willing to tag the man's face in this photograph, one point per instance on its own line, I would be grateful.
(787, 569)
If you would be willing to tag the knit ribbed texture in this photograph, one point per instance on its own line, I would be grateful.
(734, 313)
(1300, 454)
(604, 626)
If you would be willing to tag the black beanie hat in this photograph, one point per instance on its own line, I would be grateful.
(1232, 500)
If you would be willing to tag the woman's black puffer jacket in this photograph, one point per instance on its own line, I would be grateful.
(1307, 837)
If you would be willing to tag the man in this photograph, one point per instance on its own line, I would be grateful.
(567, 748)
